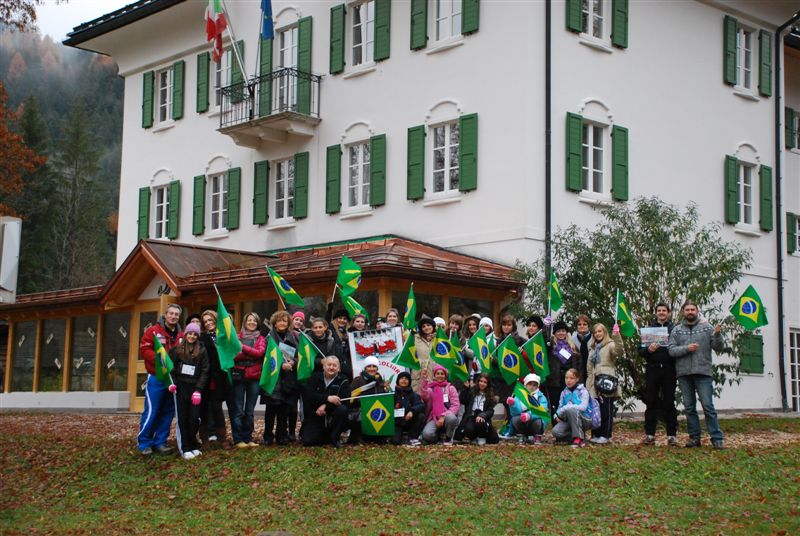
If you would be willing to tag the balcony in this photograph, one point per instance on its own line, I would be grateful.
(271, 107)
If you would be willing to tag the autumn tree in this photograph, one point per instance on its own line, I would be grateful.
(20, 14)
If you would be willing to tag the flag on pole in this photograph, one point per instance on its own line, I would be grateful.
(353, 307)
(228, 345)
(355, 393)
(530, 402)
(749, 311)
(554, 296)
(459, 369)
(480, 348)
(271, 369)
(408, 355)
(306, 354)
(534, 348)
(163, 362)
(410, 316)
(624, 320)
(377, 415)
(215, 25)
(442, 351)
(284, 289)
(267, 23)
(349, 277)
(510, 361)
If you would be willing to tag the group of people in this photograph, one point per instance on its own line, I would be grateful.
(577, 396)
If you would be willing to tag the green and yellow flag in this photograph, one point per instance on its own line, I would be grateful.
(163, 363)
(624, 320)
(535, 349)
(442, 351)
(410, 315)
(228, 345)
(284, 289)
(459, 369)
(408, 355)
(271, 370)
(530, 402)
(349, 277)
(306, 355)
(353, 307)
(377, 415)
(554, 296)
(483, 354)
(509, 360)
(749, 310)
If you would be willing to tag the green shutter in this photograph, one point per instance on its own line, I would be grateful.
(619, 163)
(751, 360)
(788, 126)
(383, 25)
(300, 185)
(619, 23)
(574, 148)
(574, 16)
(415, 173)
(178, 82)
(731, 190)
(203, 61)
(337, 39)
(234, 194)
(764, 63)
(791, 232)
(377, 170)
(333, 179)
(174, 213)
(260, 192)
(729, 50)
(144, 214)
(148, 79)
(265, 83)
(470, 16)
(199, 205)
(765, 197)
(237, 78)
(468, 152)
(304, 65)
(419, 24)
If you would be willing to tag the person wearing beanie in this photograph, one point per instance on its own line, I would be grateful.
(534, 324)
(369, 374)
(470, 328)
(488, 327)
(423, 343)
(562, 356)
(194, 318)
(190, 376)
(337, 327)
(298, 322)
(439, 322)
(478, 402)
(442, 405)
(409, 411)
(524, 422)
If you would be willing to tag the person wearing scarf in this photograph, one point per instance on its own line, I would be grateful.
(247, 373)
(603, 354)
(190, 376)
(581, 338)
(442, 403)
(368, 375)
(562, 357)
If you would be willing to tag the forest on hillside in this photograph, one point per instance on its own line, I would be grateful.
(66, 105)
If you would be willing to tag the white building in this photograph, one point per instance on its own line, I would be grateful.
(430, 119)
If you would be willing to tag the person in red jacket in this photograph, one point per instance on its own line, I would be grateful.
(159, 406)
(246, 375)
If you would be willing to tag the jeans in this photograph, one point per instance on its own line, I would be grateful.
(430, 432)
(571, 424)
(535, 426)
(245, 396)
(692, 387)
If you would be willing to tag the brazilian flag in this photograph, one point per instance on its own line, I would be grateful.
(535, 349)
(271, 370)
(509, 360)
(459, 369)
(284, 289)
(749, 310)
(228, 345)
(624, 320)
(164, 364)
(408, 355)
(480, 348)
(377, 415)
(410, 316)
(442, 351)
(555, 298)
(531, 403)
(306, 354)
(353, 307)
(349, 277)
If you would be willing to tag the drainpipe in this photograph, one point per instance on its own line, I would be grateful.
(778, 206)
(548, 145)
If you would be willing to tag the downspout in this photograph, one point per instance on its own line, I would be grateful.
(548, 187)
(778, 207)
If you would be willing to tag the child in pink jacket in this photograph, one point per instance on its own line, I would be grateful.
(441, 401)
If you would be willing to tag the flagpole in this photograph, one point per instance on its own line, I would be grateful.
(333, 295)
(229, 27)
(312, 344)
(616, 308)
(365, 396)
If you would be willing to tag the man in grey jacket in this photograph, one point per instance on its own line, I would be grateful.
(690, 343)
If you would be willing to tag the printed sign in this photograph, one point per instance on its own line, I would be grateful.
(385, 344)
(659, 335)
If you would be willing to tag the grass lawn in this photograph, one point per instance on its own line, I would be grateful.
(82, 474)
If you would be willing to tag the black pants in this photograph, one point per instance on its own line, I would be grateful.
(553, 393)
(659, 396)
(606, 418)
(290, 413)
(472, 430)
(411, 427)
(324, 430)
(188, 419)
(276, 416)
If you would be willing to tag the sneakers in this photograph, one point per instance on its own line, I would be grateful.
(600, 440)
(188, 456)
(718, 444)
(537, 440)
(147, 451)
(672, 441)
(414, 442)
(252, 444)
(196, 453)
(693, 442)
(212, 438)
(241, 445)
(577, 443)
(649, 440)
(447, 443)
(163, 450)
(481, 441)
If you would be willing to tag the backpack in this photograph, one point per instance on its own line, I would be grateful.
(594, 410)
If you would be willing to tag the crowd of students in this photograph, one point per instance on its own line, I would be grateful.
(430, 407)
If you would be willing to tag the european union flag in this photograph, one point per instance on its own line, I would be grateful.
(267, 23)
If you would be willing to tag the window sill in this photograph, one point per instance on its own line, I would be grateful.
(360, 70)
(213, 111)
(360, 213)
(216, 235)
(745, 93)
(595, 200)
(746, 230)
(166, 125)
(595, 43)
(446, 44)
(794, 151)
(280, 226)
(444, 199)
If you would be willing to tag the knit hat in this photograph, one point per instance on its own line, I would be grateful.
(192, 317)
(404, 374)
(425, 319)
(486, 321)
(300, 314)
(439, 367)
(439, 321)
(535, 319)
(531, 378)
(559, 326)
(341, 312)
(192, 328)
(371, 360)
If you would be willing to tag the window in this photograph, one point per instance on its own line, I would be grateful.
(218, 197)
(222, 75)
(744, 57)
(284, 189)
(164, 95)
(363, 35)
(796, 130)
(445, 158)
(592, 18)
(286, 96)
(593, 144)
(794, 368)
(745, 189)
(748, 192)
(161, 212)
(358, 172)
(448, 19)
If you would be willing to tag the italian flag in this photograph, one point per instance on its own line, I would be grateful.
(215, 25)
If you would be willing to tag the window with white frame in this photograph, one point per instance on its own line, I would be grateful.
(164, 95)
(222, 75)
(447, 20)
(594, 142)
(593, 18)
(358, 170)
(284, 189)
(161, 211)
(218, 200)
(286, 94)
(745, 39)
(797, 233)
(362, 37)
(746, 175)
(796, 130)
(445, 157)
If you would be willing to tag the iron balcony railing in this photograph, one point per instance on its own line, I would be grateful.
(283, 90)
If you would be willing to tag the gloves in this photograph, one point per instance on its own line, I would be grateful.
(172, 388)
(196, 398)
(525, 417)
(510, 401)
(615, 329)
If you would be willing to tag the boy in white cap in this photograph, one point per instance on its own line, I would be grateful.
(523, 421)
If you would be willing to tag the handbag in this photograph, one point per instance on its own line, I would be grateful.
(606, 384)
